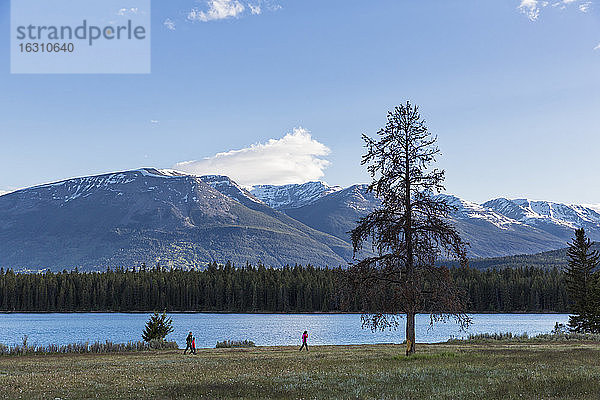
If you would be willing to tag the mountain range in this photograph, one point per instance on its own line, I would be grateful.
(149, 215)
(496, 228)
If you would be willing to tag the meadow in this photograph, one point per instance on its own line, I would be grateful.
(491, 370)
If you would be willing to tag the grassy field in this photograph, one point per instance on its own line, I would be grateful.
(568, 370)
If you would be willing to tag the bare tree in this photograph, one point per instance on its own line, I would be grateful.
(408, 234)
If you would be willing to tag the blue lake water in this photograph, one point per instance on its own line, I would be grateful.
(263, 329)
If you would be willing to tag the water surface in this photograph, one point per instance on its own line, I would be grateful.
(263, 329)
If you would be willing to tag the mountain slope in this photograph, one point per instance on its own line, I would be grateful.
(337, 213)
(232, 190)
(126, 218)
(497, 228)
(491, 234)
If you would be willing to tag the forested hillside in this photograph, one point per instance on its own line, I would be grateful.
(255, 289)
(546, 260)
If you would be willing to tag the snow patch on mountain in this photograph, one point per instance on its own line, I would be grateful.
(116, 183)
(466, 209)
(72, 189)
(292, 196)
(229, 188)
(535, 212)
(161, 173)
(359, 199)
(593, 207)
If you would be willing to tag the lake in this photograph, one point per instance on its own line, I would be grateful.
(263, 329)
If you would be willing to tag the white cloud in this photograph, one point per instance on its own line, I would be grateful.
(255, 9)
(224, 9)
(217, 9)
(295, 158)
(562, 4)
(169, 24)
(125, 11)
(154, 122)
(585, 7)
(597, 47)
(275, 7)
(532, 8)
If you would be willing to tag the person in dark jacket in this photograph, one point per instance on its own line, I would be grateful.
(188, 343)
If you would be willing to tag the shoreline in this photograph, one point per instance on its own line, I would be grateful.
(272, 312)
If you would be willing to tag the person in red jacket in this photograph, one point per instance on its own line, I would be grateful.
(193, 345)
(304, 341)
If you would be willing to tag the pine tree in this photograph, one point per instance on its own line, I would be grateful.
(582, 285)
(157, 327)
(408, 233)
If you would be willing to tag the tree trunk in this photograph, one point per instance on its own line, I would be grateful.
(410, 316)
(410, 333)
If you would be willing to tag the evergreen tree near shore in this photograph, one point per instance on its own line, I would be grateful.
(583, 285)
(157, 327)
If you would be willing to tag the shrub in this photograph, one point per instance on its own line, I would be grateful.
(555, 336)
(426, 356)
(234, 343)
(86, 348)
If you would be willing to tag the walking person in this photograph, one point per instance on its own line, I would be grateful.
(193, 344)
(188, 342)
(304, 341)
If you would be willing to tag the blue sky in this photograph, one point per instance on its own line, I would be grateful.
(512, 89)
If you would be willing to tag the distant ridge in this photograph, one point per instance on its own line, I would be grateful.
(545, 260)
(148, 216)
(151, 215)
(496, 228)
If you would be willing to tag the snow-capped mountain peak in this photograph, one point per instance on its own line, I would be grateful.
(536, 213)
(161, 173)
(466, 209)
(294, 195)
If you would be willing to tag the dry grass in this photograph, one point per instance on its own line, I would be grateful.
(442, 371)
